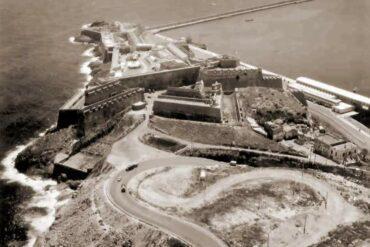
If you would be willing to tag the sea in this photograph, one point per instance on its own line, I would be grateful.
(40, 68)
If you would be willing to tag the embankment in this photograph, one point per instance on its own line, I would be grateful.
(263, 160)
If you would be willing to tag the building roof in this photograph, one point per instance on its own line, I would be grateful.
(344, 146)
(335, 90)
(330, 140)
(107, 39)
(315, 93)
(80, 162)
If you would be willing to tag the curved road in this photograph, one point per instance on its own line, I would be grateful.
(319, 222)
(338, 211)
(190, 233)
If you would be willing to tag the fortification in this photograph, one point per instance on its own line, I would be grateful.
(185, 109)
(238, 77)
(188, 103)
(133, 59)
(97, 113)
(151, 80)
(87, 116)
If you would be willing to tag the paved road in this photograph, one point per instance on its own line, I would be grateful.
(130, 149)
(184, 230)
(355, 135)
(338, 210)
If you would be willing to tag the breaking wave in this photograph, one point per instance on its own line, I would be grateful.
(46, 192)
(45, 197)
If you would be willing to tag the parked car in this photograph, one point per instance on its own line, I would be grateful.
(131, 167)
(233, 163)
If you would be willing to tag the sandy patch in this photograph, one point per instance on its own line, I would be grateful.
(234, 217)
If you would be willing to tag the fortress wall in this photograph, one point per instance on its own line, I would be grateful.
(299, 95)
(102, 92)
(183, 92)
(231, 78)
(93, 115)
(165, 96)
(187, 111)
(239, 78)
(272, 81)
(70, 113)
(95, 35)
(156, 80)
(100, 112)
(67, 117)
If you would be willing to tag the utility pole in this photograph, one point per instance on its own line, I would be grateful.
(302, 168)
(304, 227)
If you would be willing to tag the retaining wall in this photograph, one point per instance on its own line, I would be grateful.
(264, 160)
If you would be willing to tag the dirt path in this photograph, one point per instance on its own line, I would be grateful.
(229, 108)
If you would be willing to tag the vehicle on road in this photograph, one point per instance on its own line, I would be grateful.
(123, 189)
(232, 163)
(119, 179)
(131, 167)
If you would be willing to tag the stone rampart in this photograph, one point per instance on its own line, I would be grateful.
(165, 96)
(93, 34)
(232, 78)
(153, 80)
(182, 110)
(271, 81)
(98, 113)
(184, 92)
(67, 117)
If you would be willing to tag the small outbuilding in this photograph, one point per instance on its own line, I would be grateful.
(334, 148)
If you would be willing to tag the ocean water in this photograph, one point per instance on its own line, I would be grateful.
(40, 65)
(41, 194)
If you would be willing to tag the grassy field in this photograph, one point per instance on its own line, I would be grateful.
(215, 134)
